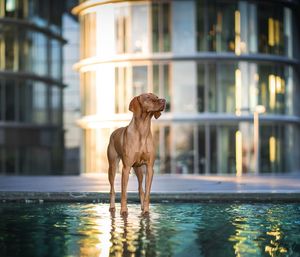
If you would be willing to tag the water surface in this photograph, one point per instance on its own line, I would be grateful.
(170, 230)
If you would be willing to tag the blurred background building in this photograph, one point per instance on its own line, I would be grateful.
(32, 84)
(215, 62)
(71, 92)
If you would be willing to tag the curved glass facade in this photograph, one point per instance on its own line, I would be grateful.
(31, 129)
(214, 62)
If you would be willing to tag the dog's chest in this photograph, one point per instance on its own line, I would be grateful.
(141, 158)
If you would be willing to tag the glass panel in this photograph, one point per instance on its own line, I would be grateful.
(139, 29)
(270, 29)
(2, 99)
(184, 87)
(10, 156)
(39, 11)
(10, 100)
(213, 149)
(272, 148)
(184, 154)
(201, 150)
(40, 103)
(228, 140)
(225, 26)
(242, 27)
(183, 24)
(272, 88)
(10, 48)
(161, 83)
(156, 84)
(89, 107)
(139, 80)
(212, 88)
(167, 87)
(166, 27)
(200, 87)
(288, 32)
(39, 54)
(122, 29)
(25, 102)
(155, 27)
(228, 83)
(56, 60)
(161, 27)
(88, 35)
(56, 105)
(201, 16)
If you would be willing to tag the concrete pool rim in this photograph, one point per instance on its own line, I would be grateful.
(156, 197)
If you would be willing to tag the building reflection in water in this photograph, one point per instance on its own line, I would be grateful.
(171, 229)
(237, 230)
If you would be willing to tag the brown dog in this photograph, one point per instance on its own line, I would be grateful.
(134, 146)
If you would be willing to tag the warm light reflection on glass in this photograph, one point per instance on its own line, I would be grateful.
(238, 153)
(280, 85)
(273, 32)
(272, 90)
(237, 18)
(271, 39)
(272, 144)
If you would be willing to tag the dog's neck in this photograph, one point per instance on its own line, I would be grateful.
(141, 124)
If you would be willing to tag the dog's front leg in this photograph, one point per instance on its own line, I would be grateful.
(125, 176)
(149, 177)
(139, 174)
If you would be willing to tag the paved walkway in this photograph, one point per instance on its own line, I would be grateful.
(164, 187)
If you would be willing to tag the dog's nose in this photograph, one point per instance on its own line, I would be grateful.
(163, 102)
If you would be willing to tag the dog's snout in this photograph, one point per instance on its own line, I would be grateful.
(163, 103)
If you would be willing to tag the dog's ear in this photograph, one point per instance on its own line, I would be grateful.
(135, 106)
(157, 115)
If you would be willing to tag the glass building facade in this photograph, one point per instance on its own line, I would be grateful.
(214, 61)
(31, 127)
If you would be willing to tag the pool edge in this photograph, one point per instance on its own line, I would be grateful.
(98, 197)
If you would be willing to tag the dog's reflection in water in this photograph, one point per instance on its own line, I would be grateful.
(132, 236)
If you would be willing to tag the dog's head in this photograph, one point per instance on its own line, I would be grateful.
(148, 103)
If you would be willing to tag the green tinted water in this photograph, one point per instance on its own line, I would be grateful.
(170, 230)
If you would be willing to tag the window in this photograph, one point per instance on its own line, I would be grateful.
(25, 101)
(235, 87)
(132, 28)
(161, 83)
(139, 29)
(10, 100)
(122, 29)
(2, 99)
(121, 94)
(40, 111)
(56, 61)
(129, 82)
(89, 93)
(161, 31)
(244, 27)
(270, 29)
(56, 105)
(216, 25)
(88, 35)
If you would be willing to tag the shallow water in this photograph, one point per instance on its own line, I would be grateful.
(170, 230)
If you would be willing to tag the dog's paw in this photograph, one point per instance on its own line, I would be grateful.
(124, 213)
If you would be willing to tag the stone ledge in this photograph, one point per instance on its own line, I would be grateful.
(156, 197)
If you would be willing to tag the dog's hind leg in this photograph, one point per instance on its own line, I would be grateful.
(113, 161)
(139, 173)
